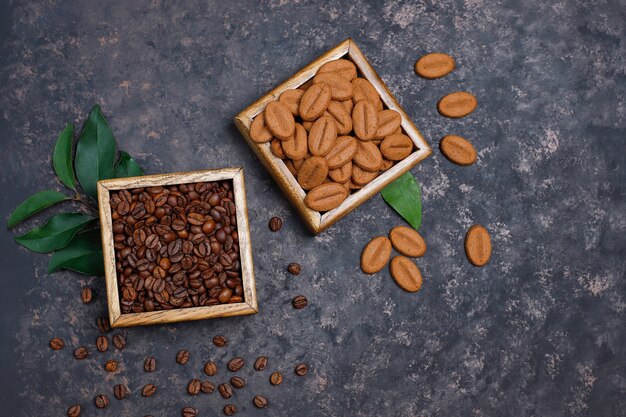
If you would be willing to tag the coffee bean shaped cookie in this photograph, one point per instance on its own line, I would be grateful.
(375, 255)
(458, 150)
(341, 174)
(277, 149)
(388, 122)
(363, 89)
(368, 156)
(259, 133)
(435, 65)
(396, 147)
(279, 120)
(291, 167)
(386, 164)
(456, 105)
(297, 147)
(298, 163)
(343, 119)
(313, 172)
(314, 101)
(365, 120)
(407, 241)
(291, 99)
(326, 196)
(322, 136)
(406, 274)
(346, 69)
(362, 177)
(478, 245)
(349, 105)
(342, 153)
(340, 88)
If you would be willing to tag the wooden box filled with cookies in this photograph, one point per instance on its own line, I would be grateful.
(332, 136)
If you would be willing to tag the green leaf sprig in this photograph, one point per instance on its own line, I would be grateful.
(405, 197)
(74, 238)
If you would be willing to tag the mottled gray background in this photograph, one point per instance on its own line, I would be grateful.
(538, 332)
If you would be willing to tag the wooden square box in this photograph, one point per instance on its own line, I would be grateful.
(248, 306)
(315, 220)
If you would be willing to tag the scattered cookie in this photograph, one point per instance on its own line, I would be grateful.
(406, 274)
(434, 65)
(457, 105)
(375, 255)
(478, 245)
(407, 241)
(458, 150)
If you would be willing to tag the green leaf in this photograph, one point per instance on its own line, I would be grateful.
(405, 197)
(34, 204)
(127, 167)
(56, 233)
(95, 152)
(83, 254)
(62, 157)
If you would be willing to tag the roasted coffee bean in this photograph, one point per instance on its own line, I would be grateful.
(102, 343)
(182, 357)
(210, 368)
(207, 387)
(86, 295)
(225, 390)
(276, 378)
(101, 401)
(294, 268)
(74, 411)
(275, 224)
(103, 325)
(189, 412)
(235, 364)
(220, 341)
(261, 363)
(119, 341)
(110, 365)
(237, 382)
(193, 388)
(120, 391)
(149, 364)
(57, 343)
(259, 401)
(230, 409)
(299, 302)
(148, 390)
(301, 369)
(81, 352)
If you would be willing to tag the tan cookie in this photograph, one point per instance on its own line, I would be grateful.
(363, 89)
(457, 150)
(312, 172)
(396, 147)
(456, 105)
(344, 150)
(368, 156)
(277, 148)
(352, 185)
(478, 245)
(407, 241)
(291, 167)
(306, 85)
(349, 105)
(314, 101)
(406, 274)
(340, 88)
(386, 164)
(342, 174)
(291, 99)
(307, 125)
(279, 120)
(322, 136)
(297, 147)
(362, 177)
(346, 69)
(435, 65)
(326, 197)
(365, 120)
(375, 255)
(298, 163)
(343, 119)
(388, 122)
(258, 131)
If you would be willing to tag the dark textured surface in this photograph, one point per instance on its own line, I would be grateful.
(538, 332)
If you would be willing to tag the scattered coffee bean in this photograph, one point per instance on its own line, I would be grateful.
(120, 391)
(294, 268)
(220, 341)
(81, 352)
(193, 388)
(148, 390)
(101, 401)
(110, 365)
(301, 369)
(225, 390)
(261, 363)
(210, 368)
(182, 357)
(299, 302)
(276, 378)
(259, 401)
(103, 325)
(235, 364)
(275, 224)
(207, 387)
(189, 412)
(230, 409)
(57, 343)
(119, 341)
(149, 364)
(102, 343)
(86, 295)
(237, 382)
(73, 411)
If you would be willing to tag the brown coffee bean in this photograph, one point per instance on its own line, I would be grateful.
(299, 302)
(375, 255)
(388, 122)
(396, 147)
(225, 390)
(148, 390)
(120, 391)
(259, 401)
(312, 172)
(207, 387)
(230, 409)
(194, 387)
(86, 295)
(434, 65)
(294, 268)
(119, 341)
(259, 132)
(458, 150)
(81, 353)
(149, 364)
(326, 196)
(110, 365)
(407, 241)
(456, 105)
(342, 153)
(362, 89)
(276, 378)
(235, 364)
(322, 136)
(57, 343)
(101, 401)
(182, 357)
(341, 67)
(406, 274)
(237, 382)
(368, 156)
(74, 411)
(102, 343)
(103, 325)
(340, 87)
(301, 369)
(210, 368)
(291, 99)
(275, 224)
(297, 146)
(478, 245)
(261, 363)
(314, 101)
(341, 116)
(189, 412)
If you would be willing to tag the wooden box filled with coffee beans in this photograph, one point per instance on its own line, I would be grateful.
(176, 247)
(332, 136)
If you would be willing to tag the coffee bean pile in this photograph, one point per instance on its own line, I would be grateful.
(176, 246)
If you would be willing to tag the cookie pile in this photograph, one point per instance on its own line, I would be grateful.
(333, 133)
